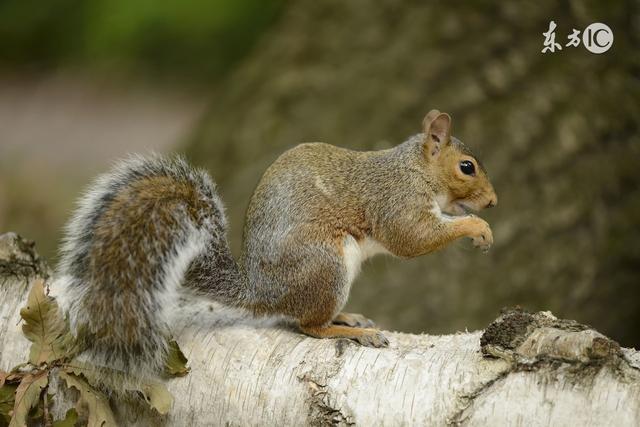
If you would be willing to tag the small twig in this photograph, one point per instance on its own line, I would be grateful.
(48, 421)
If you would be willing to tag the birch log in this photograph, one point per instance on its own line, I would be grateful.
(524, 369)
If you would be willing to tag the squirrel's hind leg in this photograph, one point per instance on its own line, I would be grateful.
(354, 320)
(364, 336)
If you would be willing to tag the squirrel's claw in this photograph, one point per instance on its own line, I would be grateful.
(482, 243)
(373, 339)
(483, 237)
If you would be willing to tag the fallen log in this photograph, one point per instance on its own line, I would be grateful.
(523, 369)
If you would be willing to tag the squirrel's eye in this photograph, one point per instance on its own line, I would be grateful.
(467, 167)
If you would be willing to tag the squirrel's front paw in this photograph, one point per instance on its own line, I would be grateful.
(481, 235)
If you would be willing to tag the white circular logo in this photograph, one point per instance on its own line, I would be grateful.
(597, 37)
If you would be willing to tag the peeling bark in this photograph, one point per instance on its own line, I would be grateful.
(524, 369)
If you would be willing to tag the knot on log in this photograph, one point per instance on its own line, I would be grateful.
(19, 259)
(525, 338)
(322, 411)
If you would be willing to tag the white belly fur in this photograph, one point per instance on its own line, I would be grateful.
(355, 253)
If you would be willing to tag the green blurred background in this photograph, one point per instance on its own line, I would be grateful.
(234, 83)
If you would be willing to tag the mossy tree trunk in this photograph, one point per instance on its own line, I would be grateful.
(558, 133)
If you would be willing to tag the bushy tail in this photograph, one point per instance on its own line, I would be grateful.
(137, 232)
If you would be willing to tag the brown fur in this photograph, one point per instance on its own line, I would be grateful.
(365, 336)
(154, 225)
(127, 219)
(315, 196)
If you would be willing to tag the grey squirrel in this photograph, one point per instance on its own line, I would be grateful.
(155, 226)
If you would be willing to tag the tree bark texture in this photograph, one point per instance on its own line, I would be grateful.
(523, 369)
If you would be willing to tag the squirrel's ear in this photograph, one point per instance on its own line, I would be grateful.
(436, 127)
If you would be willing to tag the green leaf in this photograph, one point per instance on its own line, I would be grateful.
(92, 403)
(27, 397)
(7, 400)
(158, 397)
(45, 327)
(70, 419)
(176, 363)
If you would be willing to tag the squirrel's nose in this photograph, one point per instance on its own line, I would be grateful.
(492, 202)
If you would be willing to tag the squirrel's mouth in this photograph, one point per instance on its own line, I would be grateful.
(459, 208)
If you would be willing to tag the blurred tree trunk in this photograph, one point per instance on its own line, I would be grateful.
(558, 133)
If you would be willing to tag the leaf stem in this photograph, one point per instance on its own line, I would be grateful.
(48, 421)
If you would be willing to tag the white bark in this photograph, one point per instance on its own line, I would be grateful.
(243, 373)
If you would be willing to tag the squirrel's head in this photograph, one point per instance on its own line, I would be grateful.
(464, 178)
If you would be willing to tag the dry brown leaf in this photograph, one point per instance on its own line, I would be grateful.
(27, 396)
(92, 403)
(45, 327)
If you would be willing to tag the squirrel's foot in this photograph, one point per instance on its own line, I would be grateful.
(364, 336)
(354, 320)
(373, 339)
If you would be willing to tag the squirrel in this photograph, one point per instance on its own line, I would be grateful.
(155, 226)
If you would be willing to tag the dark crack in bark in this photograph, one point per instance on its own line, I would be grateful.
(466, 400)
(321, 411)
